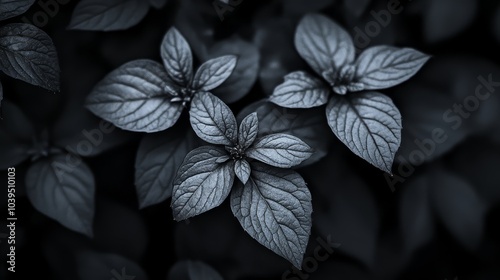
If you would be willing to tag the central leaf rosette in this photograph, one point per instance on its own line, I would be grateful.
(277, 196)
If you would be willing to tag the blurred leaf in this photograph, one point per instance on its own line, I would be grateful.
(159, 157)
(309, 125)
(110, 15)
(459, 208)
(101, 266)
(27, 53)
(16, 136)
(416, 218)
(356, 7)
(158, 4)
(244, 75)
(280, 200)
(202, 182)
(273, 36)
(369, 124)
(120, 229)
(63, 189)
(9, 8)
(303, 6)
(344, 207)
(193, 270)
(133, 97)
(447, 18)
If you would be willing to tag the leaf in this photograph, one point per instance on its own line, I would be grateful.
(132, 97)
(244, 75)
(280, 150)
(96, 266)
(242, 170)
(323, 44)
(158, 4)
(28, 54)
(383, 67)
(459, 208)
(275, 208)
(159, 157)
(416, 215)
(193, 270)
(177, 57)
(110, 15)
(201, 183)
(308, 125)
(212, 120)
(247, 132)
(447, 18)
(214, 72)
(16, 136)
(300, 90)
(64, 191)
(369, 124)
(10, 8)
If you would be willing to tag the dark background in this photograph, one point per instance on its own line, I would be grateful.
(442, 222)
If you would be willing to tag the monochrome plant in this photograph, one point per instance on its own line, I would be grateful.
(365, 120)
(271, 202)
(27, 53)
(145, 96)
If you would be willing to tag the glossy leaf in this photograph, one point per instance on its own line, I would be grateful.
(275, 208)
(132, 97)
(201, 183)
(28, 54)
(369, 124)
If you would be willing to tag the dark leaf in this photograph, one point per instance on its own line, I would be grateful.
(275, 208)
(300, 90)
(177, 57)
(323, 44)
(280, 150)
(63, 189)
(193, 270)
(158, 4)
(369, 124)
(214, 72)
(109, 15)
(447, 18)
(100, 266)
(159, 157)
(247, 132)
(132, 97)
(16, 136)
(28, 54)
(459, 208)
(244, 75)
(10, 8)
(212, 120)
(242, 170)
(201, 183)
(382, 67)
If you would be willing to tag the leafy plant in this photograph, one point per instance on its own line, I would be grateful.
(266, 195)
(111, 15)
(366, 121)
(145, 96)
(26, 52)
